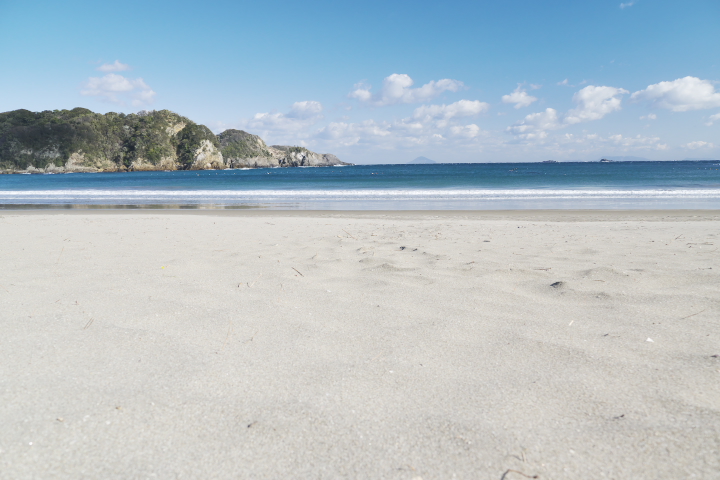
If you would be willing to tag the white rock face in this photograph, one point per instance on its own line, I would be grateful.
(207, 157)
(76, 163)
(173, 129)
(302, 157)
(52, 168)
(168, 163)
(144, 165)
(244, 150)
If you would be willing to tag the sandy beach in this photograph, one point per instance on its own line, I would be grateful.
(408, 345)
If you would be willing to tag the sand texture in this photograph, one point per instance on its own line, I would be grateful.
(376, 346)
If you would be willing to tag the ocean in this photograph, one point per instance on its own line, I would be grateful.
(570, 185)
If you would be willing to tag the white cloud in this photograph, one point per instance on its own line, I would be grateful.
(346, 134)
(397, 89)
(681, 95)
(564, 83)
(699, 144)
(626, 5)
(305, 109)
(117, 66)
(443, 113)
(118, 89)
(361, 92)
(466, 131)
(520, 97)
(277, 125)
(594, 103)
(712, 119)
(649, 116)
(429, 125)
(535, 125)
(638, 142)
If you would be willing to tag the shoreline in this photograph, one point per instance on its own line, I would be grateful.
(560, 215)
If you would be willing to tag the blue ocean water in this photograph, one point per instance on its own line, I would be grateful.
(615, 185)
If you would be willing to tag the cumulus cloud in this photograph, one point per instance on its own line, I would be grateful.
(594, 103)
(699, 144)
(681, 95)
(275, 125)
(117, 66)
(443, 113)
(535, 125)
(428, 125)
(399, 134)
(520, 97)
(118, 89)
(466, 131)
(712, 119)
(346, 134)
(397, 89)
(565, 83)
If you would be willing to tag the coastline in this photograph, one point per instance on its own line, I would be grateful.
(564, 344)
(559, 215)
(594, 186)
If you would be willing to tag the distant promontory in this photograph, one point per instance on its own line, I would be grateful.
(80, 140)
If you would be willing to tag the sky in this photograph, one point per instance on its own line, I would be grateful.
(387, 81)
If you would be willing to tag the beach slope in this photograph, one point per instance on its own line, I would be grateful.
(344, 345)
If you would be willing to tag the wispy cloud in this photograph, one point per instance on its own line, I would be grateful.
(286, 127)
(626, 5)
(699, 144)
(712, 119)
(118, 89)
(116, 66)
(616, 142)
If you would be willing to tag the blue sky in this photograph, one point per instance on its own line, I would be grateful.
(384, 82)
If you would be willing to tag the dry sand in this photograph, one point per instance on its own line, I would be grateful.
(345, 345)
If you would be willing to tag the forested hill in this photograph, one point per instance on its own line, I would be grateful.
(80, 140)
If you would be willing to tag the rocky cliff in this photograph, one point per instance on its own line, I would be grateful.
(244, 150)
(80, 140)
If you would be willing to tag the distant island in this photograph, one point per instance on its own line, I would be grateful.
(79, 140)
(422, 161)
(625, 159)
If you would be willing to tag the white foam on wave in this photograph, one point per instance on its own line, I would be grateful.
(359, 194)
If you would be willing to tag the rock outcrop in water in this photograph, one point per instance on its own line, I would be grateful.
(80, 140)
